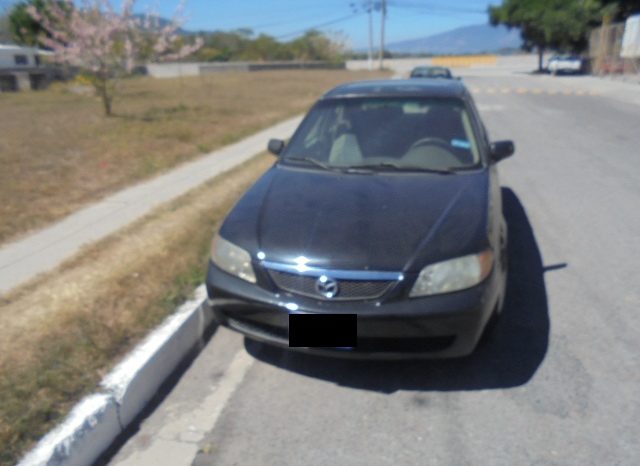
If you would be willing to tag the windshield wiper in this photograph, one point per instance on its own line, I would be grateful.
(311, 160)
(394, 167)
(464, 168)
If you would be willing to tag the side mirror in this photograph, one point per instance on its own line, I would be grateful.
(275, 146)
(501, 150)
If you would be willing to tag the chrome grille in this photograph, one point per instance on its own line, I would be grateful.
(347, 289)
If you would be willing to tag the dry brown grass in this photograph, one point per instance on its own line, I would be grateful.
(61, 333)
(58, 152)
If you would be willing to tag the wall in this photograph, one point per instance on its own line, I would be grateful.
(175, 70)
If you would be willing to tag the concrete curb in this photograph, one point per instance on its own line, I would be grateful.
(97, 420)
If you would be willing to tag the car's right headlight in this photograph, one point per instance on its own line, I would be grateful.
(453, 274)
(232, 259)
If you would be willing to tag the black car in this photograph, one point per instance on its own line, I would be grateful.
(431, 72)
(385, 204)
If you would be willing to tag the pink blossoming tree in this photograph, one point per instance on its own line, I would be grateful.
(108, 44)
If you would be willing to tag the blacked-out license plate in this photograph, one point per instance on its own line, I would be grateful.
(323, 330)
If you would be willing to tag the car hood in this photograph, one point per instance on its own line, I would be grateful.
(359, 221)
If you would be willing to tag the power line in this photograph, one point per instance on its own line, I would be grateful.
(319, 26)
(277, 14)
(433, 8)
(277, 23)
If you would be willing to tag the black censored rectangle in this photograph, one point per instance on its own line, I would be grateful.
(323, 330)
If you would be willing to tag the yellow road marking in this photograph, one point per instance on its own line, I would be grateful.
(524, 90)
(465, 60)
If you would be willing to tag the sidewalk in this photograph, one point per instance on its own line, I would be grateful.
(47, 248)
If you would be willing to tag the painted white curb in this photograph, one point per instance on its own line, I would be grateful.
(96, 421)
(135, 380)
(87, 431)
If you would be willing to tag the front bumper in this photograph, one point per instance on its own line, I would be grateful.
(447, 325)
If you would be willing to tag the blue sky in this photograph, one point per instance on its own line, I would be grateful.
(284, 19)
(407, 19)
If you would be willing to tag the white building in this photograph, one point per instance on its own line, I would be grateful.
(21, 68)
(12, 56)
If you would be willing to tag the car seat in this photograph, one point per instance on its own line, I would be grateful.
(345, 151)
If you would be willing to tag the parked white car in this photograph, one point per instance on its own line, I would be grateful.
(565, 64)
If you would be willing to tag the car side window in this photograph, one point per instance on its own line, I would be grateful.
(484, 134)
(318, 129)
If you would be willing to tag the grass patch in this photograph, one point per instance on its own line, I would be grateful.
(58, 152)
(62, 332)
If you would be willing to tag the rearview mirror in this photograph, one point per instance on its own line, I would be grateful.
(501, 150)
(275, 146)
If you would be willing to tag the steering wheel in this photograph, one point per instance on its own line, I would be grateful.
(431, 141)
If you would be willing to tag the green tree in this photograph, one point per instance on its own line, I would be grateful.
(242, 45)
(314, 45)
(24, 28)
(5, 28)
(620, 10)
(265, 48)
(559, 24)
(230, 45)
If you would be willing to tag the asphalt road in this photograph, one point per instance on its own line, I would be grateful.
(559, 381)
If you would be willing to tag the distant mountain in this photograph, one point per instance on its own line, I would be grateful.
(467, 39)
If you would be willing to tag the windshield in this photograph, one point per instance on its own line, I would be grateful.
(431, 73)
(408, 133)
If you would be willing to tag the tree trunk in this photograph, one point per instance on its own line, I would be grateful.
(540, 54)
(103, 92)
(106, 103)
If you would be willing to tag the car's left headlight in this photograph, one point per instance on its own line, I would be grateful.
(453, 274)
(232, 259)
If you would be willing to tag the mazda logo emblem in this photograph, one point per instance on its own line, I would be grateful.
(327, 286)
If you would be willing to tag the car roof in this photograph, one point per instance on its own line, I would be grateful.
(399, 88)
(430, 67)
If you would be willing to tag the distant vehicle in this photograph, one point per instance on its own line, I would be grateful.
(21, 69)
(385, 205)
(16, 56)
(570, 64)
(431, 72)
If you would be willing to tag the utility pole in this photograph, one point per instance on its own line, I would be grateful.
(369, 6)
(383, 14)
(370, 11)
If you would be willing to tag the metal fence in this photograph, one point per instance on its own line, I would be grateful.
(605, 43)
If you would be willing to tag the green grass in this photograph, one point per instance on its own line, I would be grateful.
(58, 152)
(129, 283)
